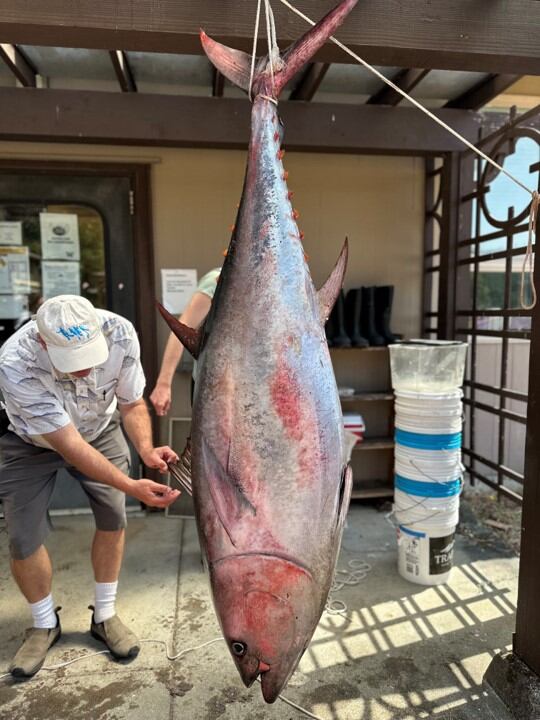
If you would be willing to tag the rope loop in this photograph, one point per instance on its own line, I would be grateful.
(533, 215)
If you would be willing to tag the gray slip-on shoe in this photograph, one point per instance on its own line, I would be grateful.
(33, 651)
(117, 637)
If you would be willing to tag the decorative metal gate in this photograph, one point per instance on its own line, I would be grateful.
(475, 245)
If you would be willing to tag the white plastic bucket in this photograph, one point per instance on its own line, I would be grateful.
(425, 552)
(435, 398)
(427, 366)
(430, 462)
(432, 470)
(429, 425)
(411, 510)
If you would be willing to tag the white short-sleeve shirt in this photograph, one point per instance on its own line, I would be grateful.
(39, 399)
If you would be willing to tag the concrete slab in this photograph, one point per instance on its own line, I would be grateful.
(401, 652)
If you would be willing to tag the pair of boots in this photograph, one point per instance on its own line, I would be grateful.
(362, 318)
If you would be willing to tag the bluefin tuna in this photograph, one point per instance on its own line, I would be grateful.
(271, 484)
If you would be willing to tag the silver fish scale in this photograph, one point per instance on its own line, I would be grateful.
(265, 317)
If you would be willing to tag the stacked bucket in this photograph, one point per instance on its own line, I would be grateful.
(427, 378)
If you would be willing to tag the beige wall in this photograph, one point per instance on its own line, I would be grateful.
(376, 201)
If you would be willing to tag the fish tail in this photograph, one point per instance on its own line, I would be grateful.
(235, 65)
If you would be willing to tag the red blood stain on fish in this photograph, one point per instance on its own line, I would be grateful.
(293, 407)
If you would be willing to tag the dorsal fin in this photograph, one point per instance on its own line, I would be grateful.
(330, 290)
(189, 337)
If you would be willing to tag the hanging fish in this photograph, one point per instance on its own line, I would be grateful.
(271, 484)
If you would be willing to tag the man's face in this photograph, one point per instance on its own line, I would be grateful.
(81, 373)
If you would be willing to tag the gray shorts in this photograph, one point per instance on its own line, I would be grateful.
(27, 478)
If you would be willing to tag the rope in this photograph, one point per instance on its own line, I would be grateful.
(358, 569)
(171, 657)
(535, 202)
(274, 58)
(254, 49)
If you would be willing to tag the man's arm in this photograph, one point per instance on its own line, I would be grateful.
(68, 443)
(193, 316)
(136, 421)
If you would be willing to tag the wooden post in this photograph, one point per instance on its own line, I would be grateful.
(527, 635)
(448, 242)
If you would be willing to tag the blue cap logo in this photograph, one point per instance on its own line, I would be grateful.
(75, 332)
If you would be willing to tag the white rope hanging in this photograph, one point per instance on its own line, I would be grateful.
(535, 197)
(274, 58)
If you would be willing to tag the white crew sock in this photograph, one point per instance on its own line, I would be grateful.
(43, 613)
(105, 599)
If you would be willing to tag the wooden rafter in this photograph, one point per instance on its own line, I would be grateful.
(483, 92)
(123, 71)
(187, 121)
(19, 64)
(406, 80)
(482, 36)
(310, 81)
(218, 83)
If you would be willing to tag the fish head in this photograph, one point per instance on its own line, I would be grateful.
(268, 607)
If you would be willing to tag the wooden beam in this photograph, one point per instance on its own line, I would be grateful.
(310, 81)
(19, 64)
(483, 92)
(181, 121)
(123, 71)
(406, 80)
(484, 36)
(218, 83)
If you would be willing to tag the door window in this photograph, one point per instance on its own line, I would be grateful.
(48, 250)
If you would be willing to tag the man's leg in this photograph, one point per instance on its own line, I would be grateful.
(107, 554)
(33, 575)
(108, 506)
(27, 476)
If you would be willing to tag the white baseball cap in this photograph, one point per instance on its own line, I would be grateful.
(71, 330)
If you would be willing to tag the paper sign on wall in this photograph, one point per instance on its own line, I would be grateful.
(59, 236)
(60, 278)
(177, 287)
(10, 233)
(13, 307)
(14, 270)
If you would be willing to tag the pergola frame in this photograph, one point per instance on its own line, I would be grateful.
(499, 37)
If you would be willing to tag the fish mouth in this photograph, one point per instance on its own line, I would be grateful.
(272, 684)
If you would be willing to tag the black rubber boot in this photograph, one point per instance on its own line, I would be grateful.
(352, 318)
(383, 309)
(337, 318)
(367, 318)
(329, 330)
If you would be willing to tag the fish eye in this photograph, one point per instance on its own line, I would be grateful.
(238, 648)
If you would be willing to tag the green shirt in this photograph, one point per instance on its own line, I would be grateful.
(207, 285)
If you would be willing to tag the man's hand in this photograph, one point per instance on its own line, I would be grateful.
(152, 493)
(159, 457)
(161, 399)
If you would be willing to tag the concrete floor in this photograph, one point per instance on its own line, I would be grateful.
(407, 652)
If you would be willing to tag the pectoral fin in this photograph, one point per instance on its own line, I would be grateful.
(189, 337)
(330, 290)
(230, 499)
